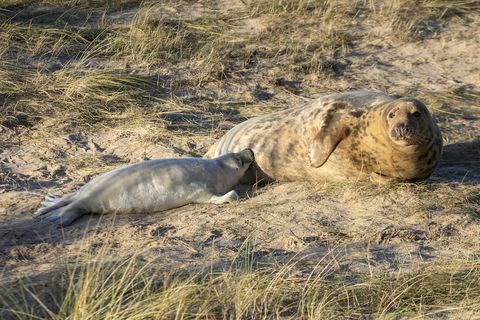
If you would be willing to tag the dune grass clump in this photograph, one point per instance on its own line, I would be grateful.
(83, 66)
(304, 38)
(415, 20)
(85, 4)
(153, 41)
(30, 40)
(84, 72)
(131, 289)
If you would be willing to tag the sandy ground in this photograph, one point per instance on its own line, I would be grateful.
(369, 228)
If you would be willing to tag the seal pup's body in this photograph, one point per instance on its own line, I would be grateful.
(151, 186)
(348, 136)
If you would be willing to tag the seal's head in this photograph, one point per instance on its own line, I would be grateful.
(239, 161)
(408, 122)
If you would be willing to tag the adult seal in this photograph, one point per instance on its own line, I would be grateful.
(151, 186)
(353, 135)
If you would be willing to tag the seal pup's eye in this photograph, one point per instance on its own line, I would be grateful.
(240, 161)
(416, 114)
(391, 114)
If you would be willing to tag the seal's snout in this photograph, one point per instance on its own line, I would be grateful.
(247, 155)
(402, 131)
(406, 134)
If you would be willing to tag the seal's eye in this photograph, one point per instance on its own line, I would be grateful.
(391, 114)
(240, 161)
(416, 114)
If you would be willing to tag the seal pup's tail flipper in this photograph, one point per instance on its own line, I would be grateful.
(50, 199)
(63, 215)
(53, 202)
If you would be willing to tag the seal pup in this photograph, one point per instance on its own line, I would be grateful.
(347, 136)
(151, 186)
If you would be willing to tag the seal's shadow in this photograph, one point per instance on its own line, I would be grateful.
(246, 191)
(460, 163)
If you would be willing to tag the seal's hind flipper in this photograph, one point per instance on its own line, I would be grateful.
(53, 202)
(62, 216)
(50, 199)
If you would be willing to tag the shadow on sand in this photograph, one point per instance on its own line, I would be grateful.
(460, 163)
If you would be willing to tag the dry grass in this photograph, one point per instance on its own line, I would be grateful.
(182, 77)
(129, 289)
(419, 19)
(96, 69)
(85, 74)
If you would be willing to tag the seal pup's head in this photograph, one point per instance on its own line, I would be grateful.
(408, 122)
(238, 161)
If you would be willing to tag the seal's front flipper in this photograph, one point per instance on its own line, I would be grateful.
(227, 197)
(325, 136)
(324, 143)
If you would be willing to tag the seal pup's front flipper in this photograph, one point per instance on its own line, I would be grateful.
(227, 197)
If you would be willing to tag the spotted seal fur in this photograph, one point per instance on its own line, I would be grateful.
(347, 136)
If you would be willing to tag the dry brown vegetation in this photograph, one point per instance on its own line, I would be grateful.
(87, 86)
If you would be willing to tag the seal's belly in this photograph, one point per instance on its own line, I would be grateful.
(281, 151)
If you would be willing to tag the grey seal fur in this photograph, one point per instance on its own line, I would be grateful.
(151, 186)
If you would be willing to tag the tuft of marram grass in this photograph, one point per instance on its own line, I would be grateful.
(67, 4)
(190, 52)
(80, 90)
(415, 20)
(129, 289)
(33, 40)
